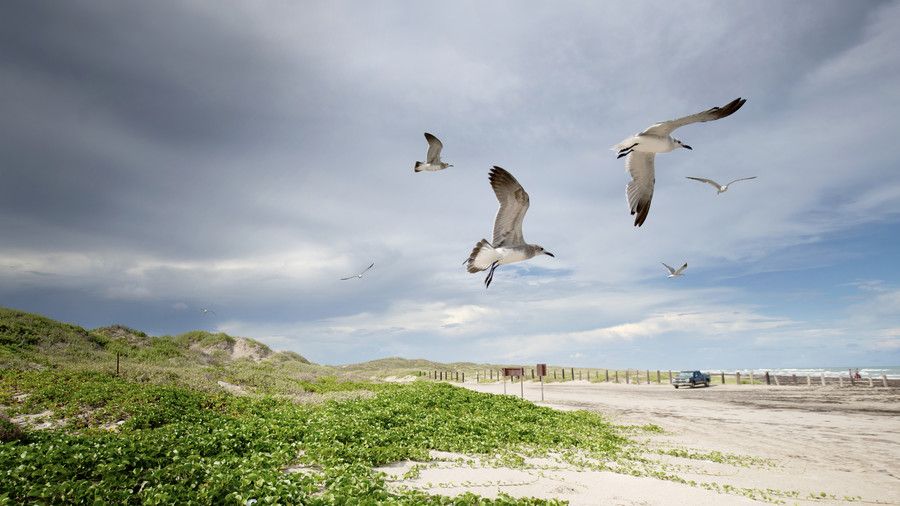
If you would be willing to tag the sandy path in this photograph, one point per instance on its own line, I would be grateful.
(844, 442)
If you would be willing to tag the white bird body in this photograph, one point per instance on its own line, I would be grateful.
(720, 188)
(360, 275)
(432, 157)
(509, 245)
(641, 149)
(673, 272)
(649, 143)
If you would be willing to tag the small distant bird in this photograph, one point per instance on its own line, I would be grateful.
(673, 273)
(719, 188)
(360, 275)
(206, 311)
(642, 148)
(508, 246)
(433, 157)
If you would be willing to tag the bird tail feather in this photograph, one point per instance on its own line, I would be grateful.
(482, 256)
(417, 169)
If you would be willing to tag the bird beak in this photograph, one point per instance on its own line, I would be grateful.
(685, 146)
(549, 254)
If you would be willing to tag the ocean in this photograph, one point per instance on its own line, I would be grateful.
(892, 372)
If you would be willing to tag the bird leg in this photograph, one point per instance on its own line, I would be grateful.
(625, 151)
(490, 276)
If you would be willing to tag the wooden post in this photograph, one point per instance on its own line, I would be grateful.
(491, 372)
(737, 378)
(532, 374)
(579, 375)
(607, 375)
(477, 376)
(617, 375)
(563, 373)
(884, 380)
(723, 377)
(648, 376)
(572, 373)
(554, 373)
(658, 381)
(627, 378)
(463, 377)
(117, 363)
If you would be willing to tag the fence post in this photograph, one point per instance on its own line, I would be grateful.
(723, 377)
(463, 377)
(607, 375)
(658, 381)
(532, 375)
(477, 376)
(572, 373)
(617, 375)
(627, 377)
(648, 376)
(579, 375)
(554, 373)
(117, 363)
(737, 378)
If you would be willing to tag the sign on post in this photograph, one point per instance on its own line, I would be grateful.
(541, 372)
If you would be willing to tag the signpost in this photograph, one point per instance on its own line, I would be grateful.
(513, 372)
(541, 372)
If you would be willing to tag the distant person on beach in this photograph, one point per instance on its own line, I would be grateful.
(857, 376)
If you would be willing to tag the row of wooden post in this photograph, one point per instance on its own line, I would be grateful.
(491, 374)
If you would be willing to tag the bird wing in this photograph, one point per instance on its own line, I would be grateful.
(367, 269)
(741, 179)
(348, 277)
(681, 269)
(667, 127)
(640, 190)
(667, 266)
(434, 149)
(513, 205)
(707, 181)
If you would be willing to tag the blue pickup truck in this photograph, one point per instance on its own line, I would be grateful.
(691, 379)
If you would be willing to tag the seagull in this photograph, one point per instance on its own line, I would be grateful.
(206, 311)
(717, 186)
(360, 275)
(508, 246)
(673, 273)
(642, 148)
(433, 157)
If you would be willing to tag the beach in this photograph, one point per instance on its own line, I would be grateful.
(823, 445)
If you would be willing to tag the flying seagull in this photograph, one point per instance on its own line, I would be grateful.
(719, 188)
(508, 245)
(642, 148)
(360, 275)
(433, 157)
(206, 311)
(673, 273)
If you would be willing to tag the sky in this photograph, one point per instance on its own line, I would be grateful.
(158, 158)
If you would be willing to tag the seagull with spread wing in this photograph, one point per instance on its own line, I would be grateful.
(643, 147)
(360, 275)
(674, 273)
(508, 245)
(433, 157)
(719, 188)
(206, 311)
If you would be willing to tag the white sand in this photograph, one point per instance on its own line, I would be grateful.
(844, 442)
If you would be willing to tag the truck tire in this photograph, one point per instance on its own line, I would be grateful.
(676, 387)
(706, 384)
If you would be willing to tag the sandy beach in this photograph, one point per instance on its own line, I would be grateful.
(821, 445)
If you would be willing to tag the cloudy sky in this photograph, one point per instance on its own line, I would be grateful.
(157, 158)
